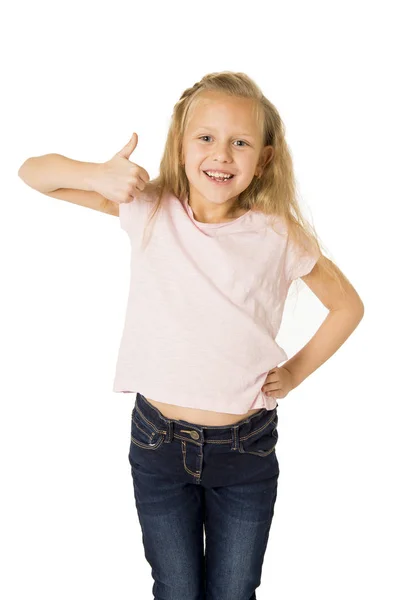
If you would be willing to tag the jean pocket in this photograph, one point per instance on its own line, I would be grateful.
(143, 433)
(263, 439)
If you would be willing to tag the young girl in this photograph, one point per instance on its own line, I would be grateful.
(207, 293)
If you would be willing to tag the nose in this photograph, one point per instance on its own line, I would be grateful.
(222, 153)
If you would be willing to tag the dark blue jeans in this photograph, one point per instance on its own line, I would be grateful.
(191, 479)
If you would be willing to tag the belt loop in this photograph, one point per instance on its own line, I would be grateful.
(170, 431)
(234, 430)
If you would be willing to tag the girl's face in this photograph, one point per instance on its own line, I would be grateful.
(222, 134)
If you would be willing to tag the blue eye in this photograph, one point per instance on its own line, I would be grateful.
(208, 136)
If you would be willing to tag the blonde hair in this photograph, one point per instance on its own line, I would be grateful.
(274, 192)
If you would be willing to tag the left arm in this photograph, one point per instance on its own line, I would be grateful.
(345, 313)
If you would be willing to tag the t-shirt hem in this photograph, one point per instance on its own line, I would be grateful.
(234, 407)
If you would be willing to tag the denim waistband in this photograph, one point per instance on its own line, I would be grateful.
(203, 433)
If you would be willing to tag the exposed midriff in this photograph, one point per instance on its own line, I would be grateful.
(197, 416)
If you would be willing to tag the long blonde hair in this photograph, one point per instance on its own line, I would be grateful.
(274, 192)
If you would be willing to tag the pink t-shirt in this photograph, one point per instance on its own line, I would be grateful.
(205, 305)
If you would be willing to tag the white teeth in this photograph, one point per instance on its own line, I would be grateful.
(218, 175)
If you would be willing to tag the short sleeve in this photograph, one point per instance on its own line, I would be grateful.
(300, 259)
(133, 214)
(128, 215)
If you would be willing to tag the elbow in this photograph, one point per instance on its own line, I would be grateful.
(22, 170)
(356, 310)
(361, 310)
(358, 306)
(354, 306)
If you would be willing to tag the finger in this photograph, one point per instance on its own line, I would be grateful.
(130, 146)
(136, 189)
(271, 381)
(267, 388)
(139, 183)
(144, 175)
(273, 394)
(143, 181)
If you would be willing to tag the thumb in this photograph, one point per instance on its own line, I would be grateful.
(130, 146)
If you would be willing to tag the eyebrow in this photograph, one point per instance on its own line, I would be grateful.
(211, 129)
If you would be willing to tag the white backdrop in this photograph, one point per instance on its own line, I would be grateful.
(79, 78)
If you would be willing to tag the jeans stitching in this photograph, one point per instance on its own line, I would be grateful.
(149, 435)
(240, 439)
(147, 446)
(195, 473)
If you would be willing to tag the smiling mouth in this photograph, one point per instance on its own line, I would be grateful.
(219, 179)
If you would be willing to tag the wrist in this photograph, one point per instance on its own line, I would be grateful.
(91, 175)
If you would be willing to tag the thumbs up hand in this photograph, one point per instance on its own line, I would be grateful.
(119, 179)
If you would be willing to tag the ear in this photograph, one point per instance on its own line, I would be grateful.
(266, 156)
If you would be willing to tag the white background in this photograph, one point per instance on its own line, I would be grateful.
(78, 79)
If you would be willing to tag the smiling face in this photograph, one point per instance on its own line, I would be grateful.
(222, 135)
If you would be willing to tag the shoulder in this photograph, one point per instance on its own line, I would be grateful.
(133, 213)
(299, 248)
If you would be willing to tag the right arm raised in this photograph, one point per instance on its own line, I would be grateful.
(66, 179)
